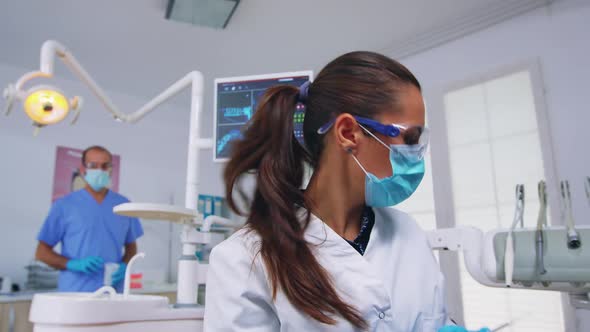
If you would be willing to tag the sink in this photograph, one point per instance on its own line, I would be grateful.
(116, 312)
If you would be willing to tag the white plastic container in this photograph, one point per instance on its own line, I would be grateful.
(109, 269)
(5, 285)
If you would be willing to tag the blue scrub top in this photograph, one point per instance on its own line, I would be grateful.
(86, 228)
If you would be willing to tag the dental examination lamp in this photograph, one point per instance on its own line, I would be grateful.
(47, 105)
(44, 104)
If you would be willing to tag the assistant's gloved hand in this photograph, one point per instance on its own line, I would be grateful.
(455, 328)
(119, 275)
(88, 265)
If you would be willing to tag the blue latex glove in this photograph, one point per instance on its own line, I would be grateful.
(88, 265)
(455, 328)
(119, 275)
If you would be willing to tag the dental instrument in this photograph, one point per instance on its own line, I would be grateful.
(518, 218)
(573, 238)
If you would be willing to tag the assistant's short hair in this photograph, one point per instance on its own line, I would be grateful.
(97, 148)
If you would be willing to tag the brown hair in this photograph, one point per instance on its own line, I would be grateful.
(359, 83)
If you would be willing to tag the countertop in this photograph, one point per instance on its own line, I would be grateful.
(24, 296)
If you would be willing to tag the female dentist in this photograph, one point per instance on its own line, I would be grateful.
(334, 257)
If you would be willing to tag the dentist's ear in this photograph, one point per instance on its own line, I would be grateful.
(346, 132)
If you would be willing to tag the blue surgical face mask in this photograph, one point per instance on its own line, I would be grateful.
(97, 179)
(407, 163)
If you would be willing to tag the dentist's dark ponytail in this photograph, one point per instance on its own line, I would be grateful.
(270, 149)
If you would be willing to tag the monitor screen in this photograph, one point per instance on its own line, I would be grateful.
(236, 99)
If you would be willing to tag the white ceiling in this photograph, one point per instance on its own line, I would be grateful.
(129, 47)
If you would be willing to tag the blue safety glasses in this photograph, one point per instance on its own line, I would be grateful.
(411, 134)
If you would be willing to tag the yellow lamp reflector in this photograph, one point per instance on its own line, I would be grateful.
(46, 106)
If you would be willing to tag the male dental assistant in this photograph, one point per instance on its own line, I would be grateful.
(90, 234)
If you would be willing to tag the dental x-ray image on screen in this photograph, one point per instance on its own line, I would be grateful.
(236, 99)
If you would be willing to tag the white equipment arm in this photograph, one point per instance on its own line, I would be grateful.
(468, 240)
(51, 49)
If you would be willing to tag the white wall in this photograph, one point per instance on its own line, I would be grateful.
(556, 37)
(153, 168)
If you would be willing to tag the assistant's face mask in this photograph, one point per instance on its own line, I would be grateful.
(407, 163)
(97, 179)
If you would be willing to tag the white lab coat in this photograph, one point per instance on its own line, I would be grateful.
(396, 285)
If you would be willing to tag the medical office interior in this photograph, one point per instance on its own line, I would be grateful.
(167, 85)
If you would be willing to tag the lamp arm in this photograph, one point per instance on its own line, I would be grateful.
(51, 48)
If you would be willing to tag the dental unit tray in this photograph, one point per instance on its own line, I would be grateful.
(567, 270)
(562, 265)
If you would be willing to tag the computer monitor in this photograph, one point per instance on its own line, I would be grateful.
(236, 99)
